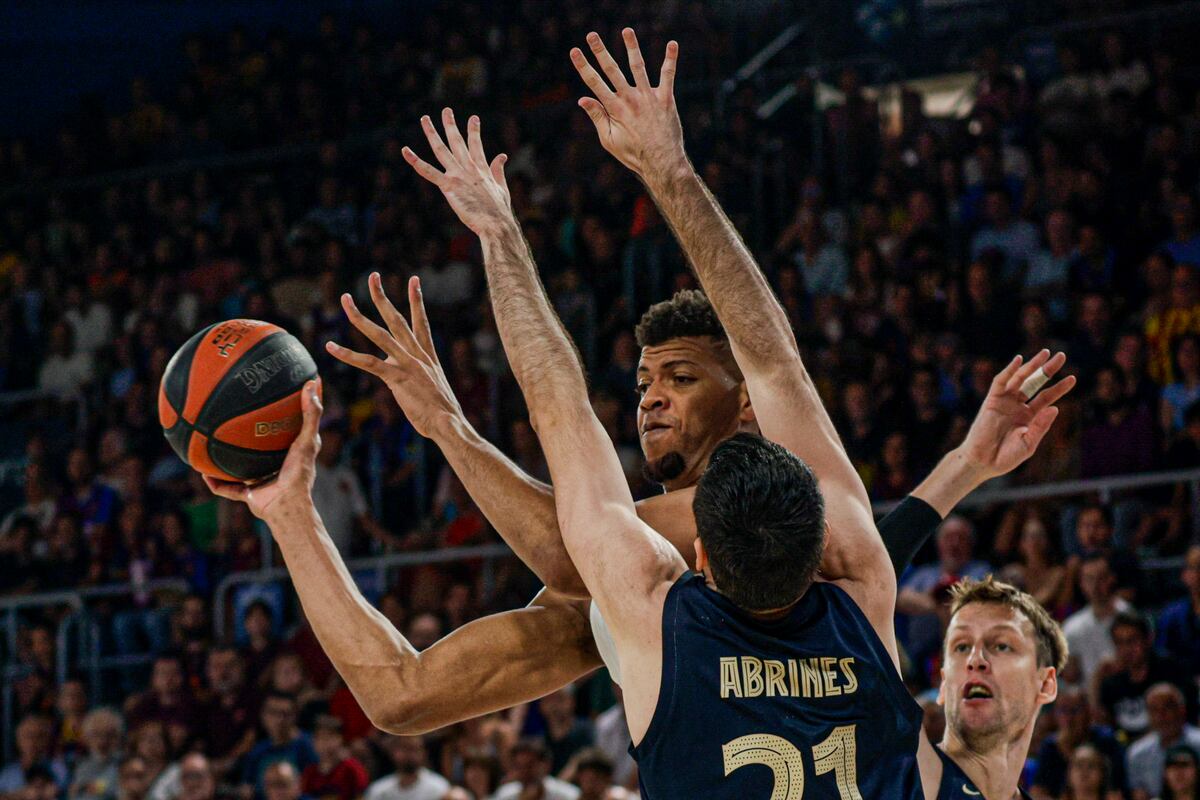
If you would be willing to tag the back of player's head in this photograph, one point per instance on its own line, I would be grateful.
(687, 313)
(761, 519)
(1051, 643)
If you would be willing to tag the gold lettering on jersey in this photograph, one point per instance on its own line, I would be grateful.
(808, 678)
(731, 678)
(752, 676)
(830, 674)
(847, 665)
(775, 685)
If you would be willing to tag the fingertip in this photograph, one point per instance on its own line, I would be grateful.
(593, 36)
(473, 121)
(332, 346)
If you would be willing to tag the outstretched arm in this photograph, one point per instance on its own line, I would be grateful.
(626, 566)
(639, 124)
(506, 659)
(1005, 432)
(519, 507)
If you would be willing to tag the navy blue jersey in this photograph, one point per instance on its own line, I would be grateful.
(809, 705)
(955, 784)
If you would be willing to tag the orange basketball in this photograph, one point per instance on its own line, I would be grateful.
(229, 403)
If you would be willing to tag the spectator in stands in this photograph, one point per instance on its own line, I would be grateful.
(149, 742)
(566, 732)
(1118, 436)
(282, 782)
(337, 775)
(1094, 535)
(95, 775)
(94, 503)
(338, 494)
(283, 742)
(592, 771)
(1180, 317)
(286, 675)
(39, 501)
(955, 546)
(1179, 623)
(481, 773)
(34, 740)
(1087, 630)
(40, 785)
(1049, 268)
(1072, 715)
(1168, 727)
(1176, 397)
(1181, 774)
(1135, 668)
(228, 717)
(196, 778)
(1015, 239)
(411, 780)
(168, 700)
(529, 772)
(1184, 244)
(65, 371)
(1089, 776)
(261, 643)
(133, 778)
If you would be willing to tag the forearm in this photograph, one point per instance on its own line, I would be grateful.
(542, 357)
(955, 477)
(505, 658)
(906, 529)
(757, 326)
(519, 507)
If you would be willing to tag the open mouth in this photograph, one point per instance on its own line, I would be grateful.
(976, 691)
(652, 427)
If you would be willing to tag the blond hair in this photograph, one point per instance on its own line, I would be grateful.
(1051, 643)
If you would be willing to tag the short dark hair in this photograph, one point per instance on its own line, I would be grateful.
(596, 760)
(276, 694)
(1095, 505)
(761, 519)
(533, 746)
(687, 313)
(1132, 619)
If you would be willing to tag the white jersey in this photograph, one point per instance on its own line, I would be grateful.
(605, 643)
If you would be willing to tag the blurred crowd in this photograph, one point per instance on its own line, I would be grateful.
(915, 256)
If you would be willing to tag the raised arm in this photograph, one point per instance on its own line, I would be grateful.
(639, 124)
(505, 659)
(1006, 431)
(626, 566)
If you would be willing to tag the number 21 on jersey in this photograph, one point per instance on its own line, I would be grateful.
(836, 754)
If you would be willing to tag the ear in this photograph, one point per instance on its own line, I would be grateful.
(745, 409)
(701, 555)
(1048, 691)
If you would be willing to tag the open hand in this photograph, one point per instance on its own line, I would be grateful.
(1009, 426)
(638, 124)
(475, 190)
(293, 484)
(411, 370)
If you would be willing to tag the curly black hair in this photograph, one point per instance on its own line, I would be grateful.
(687, 313)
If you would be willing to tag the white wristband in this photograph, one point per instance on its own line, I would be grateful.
(1034, 383)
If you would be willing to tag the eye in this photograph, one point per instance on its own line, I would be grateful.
(642, 388)
(684, 379)
(961, 647)
(1003, 647)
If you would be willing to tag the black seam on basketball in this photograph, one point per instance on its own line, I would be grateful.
(250, 465)
(177, 375)
(204, 421)
(181, 448)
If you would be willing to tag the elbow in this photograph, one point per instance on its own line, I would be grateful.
(400, 716)
(565, 580)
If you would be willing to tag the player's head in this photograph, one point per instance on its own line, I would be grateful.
(760, 519)
(692, 392)
(1000, 664)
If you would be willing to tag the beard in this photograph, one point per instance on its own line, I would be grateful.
(665, 468)
(997, 731)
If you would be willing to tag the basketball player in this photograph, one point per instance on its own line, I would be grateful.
(1002, 649)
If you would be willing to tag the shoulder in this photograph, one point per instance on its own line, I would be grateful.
(434, 780)
(1143, 747)
(382, 786)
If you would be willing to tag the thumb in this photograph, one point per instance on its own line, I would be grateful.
(594, 109)
(498, 169)
(1039, 426)
(310, 403)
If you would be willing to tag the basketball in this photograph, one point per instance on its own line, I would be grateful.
(229, 402)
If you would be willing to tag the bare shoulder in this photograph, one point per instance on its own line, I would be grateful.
(671, 516)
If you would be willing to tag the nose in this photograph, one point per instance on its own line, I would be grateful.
(654, 398)
(977, 659)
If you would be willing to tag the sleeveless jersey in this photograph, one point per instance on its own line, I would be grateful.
(807, 706)
(955, 784)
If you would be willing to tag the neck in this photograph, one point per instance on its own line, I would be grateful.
(996, 771)
(407, 778)
(1105, 607)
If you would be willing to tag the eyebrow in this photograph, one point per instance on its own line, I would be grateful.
(675, 362)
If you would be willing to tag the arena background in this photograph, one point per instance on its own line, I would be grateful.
(931, 186)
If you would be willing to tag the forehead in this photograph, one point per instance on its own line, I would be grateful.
(704, 351)
(981, 618)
